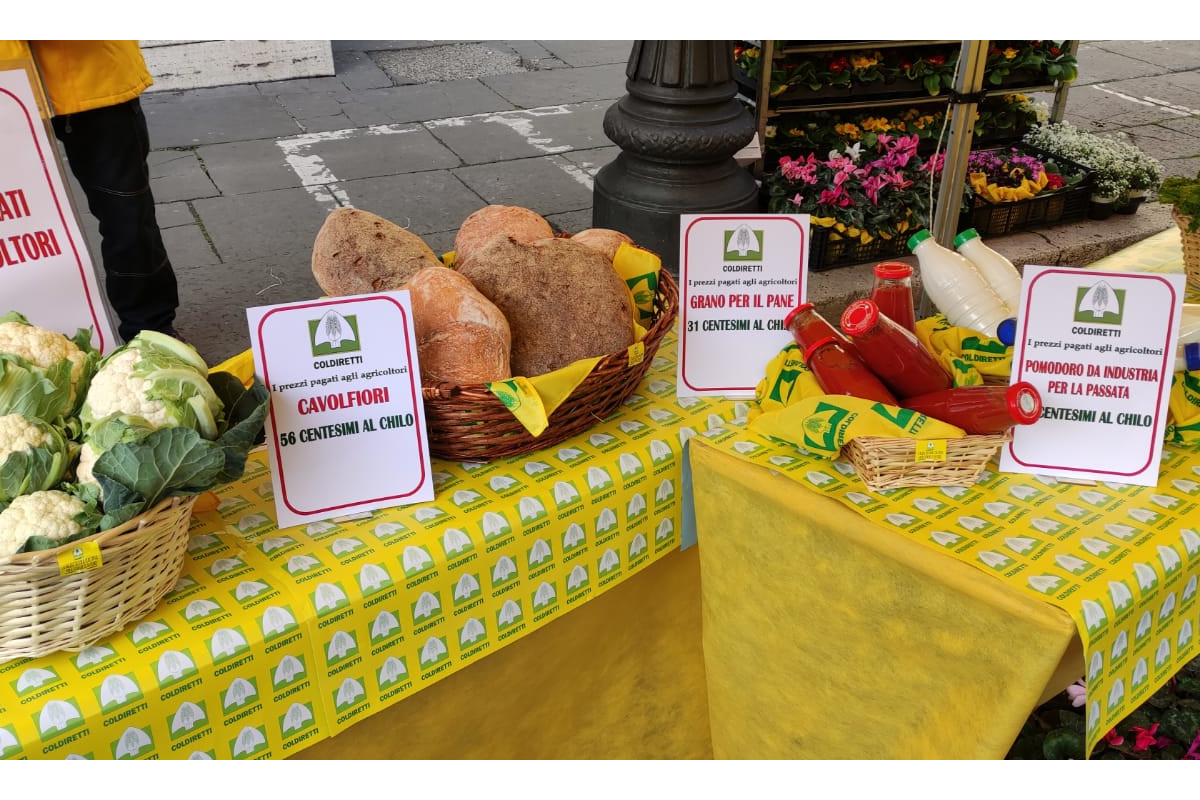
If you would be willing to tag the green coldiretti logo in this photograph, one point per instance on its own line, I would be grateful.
(298, 717)
(117, 691)
(289, 670)
(175, 666)
(35, 680)
(133, 743)
(57, 717)
(188, 719)
(415, 559)
(823, 428)
(9, 743)
(509, 614)
(1099, 304)
(506, 392)
(467, 588)
(743, 243)
(333, 333)
(249, 742)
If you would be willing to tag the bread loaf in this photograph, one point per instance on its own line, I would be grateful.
(603, 240)
(495, 221)
(357, 252)
(563, 301)
(462, 337)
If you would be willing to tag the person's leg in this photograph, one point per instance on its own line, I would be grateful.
(106, 150)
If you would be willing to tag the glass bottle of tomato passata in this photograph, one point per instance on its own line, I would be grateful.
(981, 409)
(892, 292)
(840, 371)
(892, 352)
(808, 326)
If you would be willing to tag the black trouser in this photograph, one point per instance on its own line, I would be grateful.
(107, 149)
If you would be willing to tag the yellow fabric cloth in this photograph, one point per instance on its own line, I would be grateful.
(83, 74)
(828, 637)
(1183, 425)
(967, 354)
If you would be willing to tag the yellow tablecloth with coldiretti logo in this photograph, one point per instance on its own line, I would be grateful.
(928, 622)
(275, 640)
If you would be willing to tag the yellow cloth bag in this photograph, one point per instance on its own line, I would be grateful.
(1183, 426)
(968, 354)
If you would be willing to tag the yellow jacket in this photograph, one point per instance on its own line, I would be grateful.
(80, 75)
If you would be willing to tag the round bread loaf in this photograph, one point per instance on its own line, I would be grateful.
(563, 301)
(462, 337)
(495, 221)
(603, 240)
(357, 252)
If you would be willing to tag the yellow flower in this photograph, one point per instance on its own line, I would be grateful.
(824, 222)
(852, 232)
(751, 52)
(769, 131)
(864, 237)
(841, 227)
(862, 61)
(848, 129)
(876, 124)
(1010, 53)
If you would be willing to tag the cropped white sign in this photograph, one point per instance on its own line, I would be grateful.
(45, 270)
(739, 277)
(346, 429)
(1100, 347)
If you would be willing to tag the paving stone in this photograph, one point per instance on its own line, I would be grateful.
(356, 70)
(551, 87)
(314, 104)
(422, 102)
(534, 56)
(301, 86)
(1179, 138)
(377, 151)
(1107, 109)
(440, 241)
(448, 62)
(571, 221)
(589, 53)
(247, 167)
(1173, 99)
(592, 161)
(172, 215)
(187, 248)
(1170, 55)
(178, 175)
(1098, 63)
(250, 226)
(505, 135)
(547, 185)
(206, 119)
(422, 202)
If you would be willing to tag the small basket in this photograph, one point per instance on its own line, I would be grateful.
(43, 611)
(1191, 247)
(890, 463)
(469, 423)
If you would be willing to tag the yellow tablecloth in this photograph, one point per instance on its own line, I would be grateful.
(927, 623)
(274, 640)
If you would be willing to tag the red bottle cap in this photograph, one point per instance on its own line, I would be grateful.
(787, 321)
(859, 317)
(818, 343)
(1024, 403)
(893, 270)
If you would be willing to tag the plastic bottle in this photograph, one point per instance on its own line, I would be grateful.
(981, 409)
(838, 371)
(893, 353)
(892, 292)
(956, 287)
(1001, 275)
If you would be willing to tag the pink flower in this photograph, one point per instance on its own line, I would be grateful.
(1113, 738)
(1147, 738)
(1193, 752)
(835, 197)
(1077, 691)
(798, 200)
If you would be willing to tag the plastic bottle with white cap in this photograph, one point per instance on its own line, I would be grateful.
(957, 287)
(995, 267)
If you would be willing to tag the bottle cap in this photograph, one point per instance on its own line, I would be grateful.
(893, 270)
(824, 340)
(1006, 331)
(1191, 356)
(917, 238)
(966, 236)
(1024, 403)
(859, 317)
(787, 321)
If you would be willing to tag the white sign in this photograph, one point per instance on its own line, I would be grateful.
(739, 276)
(1100, 347)
(346, 429)
(45, 270)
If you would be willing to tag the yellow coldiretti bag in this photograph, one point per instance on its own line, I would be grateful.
(968, 354)
(1184, 404)
(639, 269)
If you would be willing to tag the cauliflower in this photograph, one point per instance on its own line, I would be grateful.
(116, 389)
(49, 513)
(42, 372)
(41, 347)
(33, 455)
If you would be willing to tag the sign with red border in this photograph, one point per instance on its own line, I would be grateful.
(46, 272)
(346, 428)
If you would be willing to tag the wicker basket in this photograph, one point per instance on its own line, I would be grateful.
(890, 463)
(42, 611)
(469, 423)
(1191, 248)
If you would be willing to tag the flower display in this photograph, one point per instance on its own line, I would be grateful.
(1121, 167)
(1033, 60)
(858, 192)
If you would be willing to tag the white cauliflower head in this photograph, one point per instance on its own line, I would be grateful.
(41, 346)
(18, 435)
(49, 513)
(116, 390)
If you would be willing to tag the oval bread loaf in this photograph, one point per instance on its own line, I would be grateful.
(357, 252)
(563, 301)
(462, 337)
(604, 240)
(495, 221)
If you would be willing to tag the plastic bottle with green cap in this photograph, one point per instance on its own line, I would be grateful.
(994, 266)
(957, 287)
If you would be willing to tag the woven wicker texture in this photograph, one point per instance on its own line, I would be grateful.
(890, 463)
(42, 611)
(1191, 248)
(469, 423)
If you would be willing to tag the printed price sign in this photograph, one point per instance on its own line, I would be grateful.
(1100, 347)
(739, 277)
(346, 429)
(45, 270)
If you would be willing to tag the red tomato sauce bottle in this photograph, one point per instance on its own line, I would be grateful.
(892, 352)
(892, 292)
(981, 409)
(808, 326)
(839, 371)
